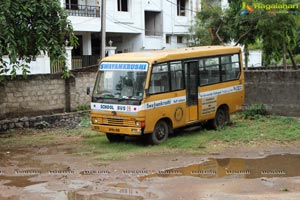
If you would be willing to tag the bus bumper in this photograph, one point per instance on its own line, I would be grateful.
(118, 130)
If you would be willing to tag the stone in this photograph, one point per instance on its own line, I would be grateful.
(19, 125)
(24, 119)
(11, 125)
(41, 125)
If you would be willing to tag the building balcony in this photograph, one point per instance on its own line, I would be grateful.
(83, 10)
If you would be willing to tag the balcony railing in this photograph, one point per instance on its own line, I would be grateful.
(83, 10)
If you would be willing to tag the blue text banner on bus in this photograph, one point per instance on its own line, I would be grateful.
(120, 66)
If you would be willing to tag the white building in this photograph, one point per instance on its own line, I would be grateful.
(131, 25)
(134, 25)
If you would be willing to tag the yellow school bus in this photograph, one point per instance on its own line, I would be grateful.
(151, 93)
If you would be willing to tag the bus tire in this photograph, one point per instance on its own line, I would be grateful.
(221, 118)
(115, 137)
(160, 133)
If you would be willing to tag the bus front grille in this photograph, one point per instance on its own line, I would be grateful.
(118, 122)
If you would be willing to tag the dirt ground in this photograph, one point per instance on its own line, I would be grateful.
(54, 171)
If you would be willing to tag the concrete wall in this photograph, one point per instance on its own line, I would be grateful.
(40, 66)
(44, 94)
(278, 90)
(48, 94)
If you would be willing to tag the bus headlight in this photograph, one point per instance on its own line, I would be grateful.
(94, 120)
(140, 124)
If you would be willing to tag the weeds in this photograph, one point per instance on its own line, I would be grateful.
(82, 107)
(85, 121)
(254, 111)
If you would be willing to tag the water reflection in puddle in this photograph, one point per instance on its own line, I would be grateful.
(113, 191)
(284, 165)
(19, 181)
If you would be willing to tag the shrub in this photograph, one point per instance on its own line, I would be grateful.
(254, 111)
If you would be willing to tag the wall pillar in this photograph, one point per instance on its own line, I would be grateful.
(69, 57)
(110, 51)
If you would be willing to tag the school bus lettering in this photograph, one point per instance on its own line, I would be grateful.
(107, 107)
(121, 108)
(150, 105)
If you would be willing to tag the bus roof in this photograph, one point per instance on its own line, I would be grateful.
(171, 54)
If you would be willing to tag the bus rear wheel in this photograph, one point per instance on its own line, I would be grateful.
(160, 133)
(221, 118)
(115, 137)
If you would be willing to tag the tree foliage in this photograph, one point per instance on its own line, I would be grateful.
(277, 30)
(29, 28)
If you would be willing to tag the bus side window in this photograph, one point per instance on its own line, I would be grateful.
(213, 72)
(230, 67)
(176, 76)
(203, 73)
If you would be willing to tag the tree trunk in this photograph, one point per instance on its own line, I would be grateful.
(292, 59)
(284, 55)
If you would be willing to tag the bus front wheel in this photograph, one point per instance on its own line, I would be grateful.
(160, 133)
(115, 137)
(221, 118)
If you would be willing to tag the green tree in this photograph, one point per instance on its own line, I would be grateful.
(208, 23)
(226, 26)
(277, 31)
(29, 27)
(279, 35)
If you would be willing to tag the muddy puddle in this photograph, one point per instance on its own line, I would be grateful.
(283, 165)
(19, 181)
(112, 192)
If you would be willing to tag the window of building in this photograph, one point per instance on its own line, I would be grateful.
(123, 5)
(168, 39)
(179, 39)
(181, 7)
(72, 4)
(78, 50)
(177, 82)
(153, 23)
(160, 81)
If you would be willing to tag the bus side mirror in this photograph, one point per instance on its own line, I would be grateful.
(88, 90)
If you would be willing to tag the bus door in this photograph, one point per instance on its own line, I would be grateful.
(191, 84)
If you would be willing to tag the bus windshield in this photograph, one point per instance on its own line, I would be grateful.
(125, 84)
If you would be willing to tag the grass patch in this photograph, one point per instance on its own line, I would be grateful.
(263, 128)
(104, 150)
(243, 131)
(15, 140)
(260, 130)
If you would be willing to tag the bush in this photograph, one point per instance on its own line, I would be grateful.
(297, 59)
(254, 111)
